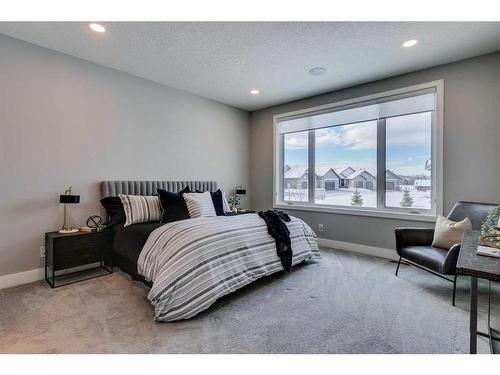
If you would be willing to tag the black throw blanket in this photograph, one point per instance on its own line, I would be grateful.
(276, 227)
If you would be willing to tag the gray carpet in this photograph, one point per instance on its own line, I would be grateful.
(345, 303)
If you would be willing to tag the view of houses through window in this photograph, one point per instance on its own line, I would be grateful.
(296, 160)
(346, 165)
(346, 159)
(408, 160)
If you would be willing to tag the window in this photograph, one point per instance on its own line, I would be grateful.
(347, 155)
(295, 176)
(377, 155)
(408, 161)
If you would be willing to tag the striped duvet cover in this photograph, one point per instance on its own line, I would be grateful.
(193, 262)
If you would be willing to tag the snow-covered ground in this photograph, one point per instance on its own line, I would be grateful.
(343, 197)
(421, 199)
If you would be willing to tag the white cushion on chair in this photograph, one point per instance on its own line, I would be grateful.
(448, 232)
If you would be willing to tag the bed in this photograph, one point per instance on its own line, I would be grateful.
(191, 263)
(128, 241)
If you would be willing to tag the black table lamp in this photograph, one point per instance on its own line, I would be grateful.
(68, 198)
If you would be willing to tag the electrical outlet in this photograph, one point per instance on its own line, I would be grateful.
(320, 227)
(42, 251)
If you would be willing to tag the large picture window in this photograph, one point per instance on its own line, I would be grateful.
(376, 155)
(346, 165)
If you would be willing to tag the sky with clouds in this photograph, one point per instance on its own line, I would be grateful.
(408, 145)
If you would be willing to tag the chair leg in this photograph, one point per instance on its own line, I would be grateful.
(454, 289)
(397, 268)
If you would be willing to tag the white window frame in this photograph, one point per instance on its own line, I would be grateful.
(396, 213)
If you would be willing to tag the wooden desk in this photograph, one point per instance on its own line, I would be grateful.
(476, 266)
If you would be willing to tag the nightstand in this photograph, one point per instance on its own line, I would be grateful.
(64, 251)
(239, 213)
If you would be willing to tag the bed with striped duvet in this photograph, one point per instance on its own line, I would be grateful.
(191, 263)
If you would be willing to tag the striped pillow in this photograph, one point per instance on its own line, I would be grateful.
(140, 208)
(199, 204)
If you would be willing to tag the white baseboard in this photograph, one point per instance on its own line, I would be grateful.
(14, 279)
(379, 252)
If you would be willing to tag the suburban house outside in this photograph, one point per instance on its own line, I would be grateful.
(330, 179)
(343, 173)
(295, 177)
(327, 179)
(336, 186)
(392, 181)
(410, 179)
(423, 185)
(361, 179)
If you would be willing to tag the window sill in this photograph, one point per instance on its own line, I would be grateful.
(356, 212)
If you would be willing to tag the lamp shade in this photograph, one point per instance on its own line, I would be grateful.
(68, 198)
(241, 191)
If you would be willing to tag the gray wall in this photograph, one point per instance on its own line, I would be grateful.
(471, 146)
(67, 121)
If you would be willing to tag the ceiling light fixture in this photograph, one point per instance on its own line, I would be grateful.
(319, 71)
(254, 92)
(410, 43)
(97, 27)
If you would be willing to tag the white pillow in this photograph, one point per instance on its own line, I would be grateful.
(225, 205)
(140, 208)
(448, 232)
(199, 204)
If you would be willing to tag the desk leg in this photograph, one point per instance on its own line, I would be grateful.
(473, 315)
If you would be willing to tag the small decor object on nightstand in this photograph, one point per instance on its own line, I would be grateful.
(234, 201)
(94, 224)
(68, 198)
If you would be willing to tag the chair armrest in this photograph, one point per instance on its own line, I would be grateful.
(413, 237)
(450, 262)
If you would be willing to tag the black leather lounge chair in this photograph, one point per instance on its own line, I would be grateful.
(414, 244)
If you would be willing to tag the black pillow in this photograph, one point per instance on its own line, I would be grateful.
(173, 205)
(114, 208)
(217, 201)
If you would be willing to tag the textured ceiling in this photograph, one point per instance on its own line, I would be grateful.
(224, 60)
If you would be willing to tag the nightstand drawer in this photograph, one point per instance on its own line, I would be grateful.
(102, 241)
(75, 256)
(71, 243)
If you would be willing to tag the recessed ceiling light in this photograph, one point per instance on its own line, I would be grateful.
(254, 92)
(319, 71)
(97, 27)
(410, 43)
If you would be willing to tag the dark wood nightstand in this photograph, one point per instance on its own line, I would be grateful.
(68, 250)
(239, 213)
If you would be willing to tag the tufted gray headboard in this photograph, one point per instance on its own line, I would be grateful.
(113, 188)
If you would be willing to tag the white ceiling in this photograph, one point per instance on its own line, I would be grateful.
(224, 60)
